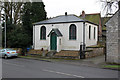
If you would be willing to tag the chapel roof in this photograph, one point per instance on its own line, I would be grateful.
(62, 19)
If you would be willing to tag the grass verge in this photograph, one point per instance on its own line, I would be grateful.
(117, 67)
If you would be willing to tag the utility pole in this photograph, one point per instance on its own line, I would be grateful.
(0, 41)
(0, 26)
(5, 30)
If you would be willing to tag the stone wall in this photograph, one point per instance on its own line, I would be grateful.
(113, 39)
(93, 52)
(37, 52)
(65, 53)
(90, 52)
(119, 35)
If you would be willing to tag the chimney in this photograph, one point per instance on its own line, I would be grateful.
(65, 13)
(83, 14)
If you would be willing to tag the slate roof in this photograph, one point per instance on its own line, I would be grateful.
(94, 17)
(60, 19)
(57, 32)
(104, 20)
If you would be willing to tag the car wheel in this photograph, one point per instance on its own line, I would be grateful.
(5, 56)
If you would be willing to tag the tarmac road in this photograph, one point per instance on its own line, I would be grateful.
(28, 68)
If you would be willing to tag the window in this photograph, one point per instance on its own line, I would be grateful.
(43, 33)
(94, 32)
(2, 50)
(89, 32)
(72, 32)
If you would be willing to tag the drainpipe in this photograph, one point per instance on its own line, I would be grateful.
(82, 46)
(84, 39)
(34, 37)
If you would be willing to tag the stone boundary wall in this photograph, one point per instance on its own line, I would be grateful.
(93, 52)
(36, 52)
(67, 54)
(90, 52)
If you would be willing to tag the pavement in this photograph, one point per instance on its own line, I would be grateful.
(92, 62)
(98, 62)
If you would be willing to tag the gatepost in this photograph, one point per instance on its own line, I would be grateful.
(82, 51)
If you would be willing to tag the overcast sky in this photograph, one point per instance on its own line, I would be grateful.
(59, 7)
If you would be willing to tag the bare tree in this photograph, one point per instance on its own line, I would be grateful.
(12, 11)
(109, 6)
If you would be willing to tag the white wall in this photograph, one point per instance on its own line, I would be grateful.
(72, 44)
(59, 43)
(66, 44)
(91, 41)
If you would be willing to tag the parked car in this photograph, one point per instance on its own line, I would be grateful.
(6, 53)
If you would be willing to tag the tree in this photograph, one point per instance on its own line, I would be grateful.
(13, 11)
(38, 11)
(110, 6)
(33, 12)
(19, 35)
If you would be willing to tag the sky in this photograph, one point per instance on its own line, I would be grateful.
(59, 7)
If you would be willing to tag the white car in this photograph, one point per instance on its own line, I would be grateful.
(6, 53)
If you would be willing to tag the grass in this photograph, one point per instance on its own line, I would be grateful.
(104, 28)
(111, 66)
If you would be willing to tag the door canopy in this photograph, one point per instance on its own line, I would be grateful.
(56, 31)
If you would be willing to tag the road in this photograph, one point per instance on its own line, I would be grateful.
(28, 68)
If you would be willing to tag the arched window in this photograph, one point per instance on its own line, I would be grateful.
(72, 32)
(43, 33)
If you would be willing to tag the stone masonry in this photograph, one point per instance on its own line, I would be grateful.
(112, 44)
(119, 34)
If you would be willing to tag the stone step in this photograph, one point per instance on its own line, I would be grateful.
(51, 53)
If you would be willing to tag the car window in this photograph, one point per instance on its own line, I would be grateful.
(10, 50)
(2, 50)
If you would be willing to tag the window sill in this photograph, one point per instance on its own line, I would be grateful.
(43, 40)
(72, 39)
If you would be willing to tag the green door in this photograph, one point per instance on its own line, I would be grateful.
(53, 41)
